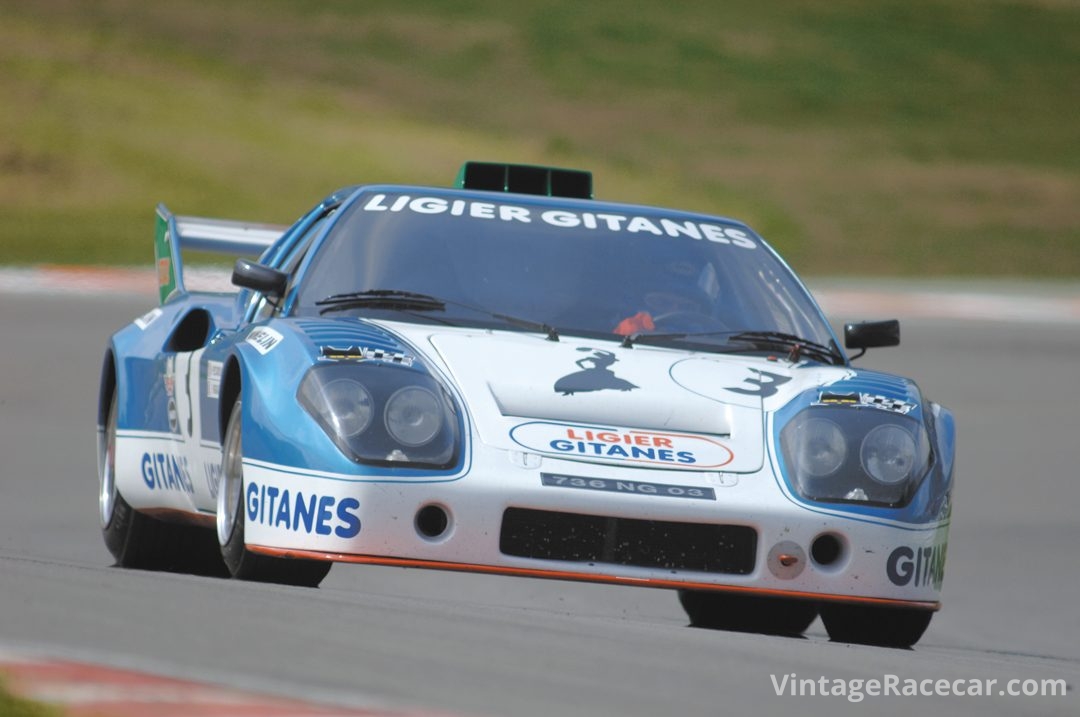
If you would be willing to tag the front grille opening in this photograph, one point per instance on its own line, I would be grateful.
(548, 535)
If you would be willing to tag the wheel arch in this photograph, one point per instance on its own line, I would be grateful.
(231, 385)
(107, 386)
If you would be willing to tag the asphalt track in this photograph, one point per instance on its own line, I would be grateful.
(481, 645)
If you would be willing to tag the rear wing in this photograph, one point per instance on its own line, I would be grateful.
(173, 233)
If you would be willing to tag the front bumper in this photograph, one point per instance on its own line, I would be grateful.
(462, 524)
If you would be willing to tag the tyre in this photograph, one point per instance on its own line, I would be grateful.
(241, 562)
(744, 613)
(140, 541)
(874, 625)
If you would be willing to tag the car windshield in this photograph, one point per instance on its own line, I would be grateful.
(581, 267)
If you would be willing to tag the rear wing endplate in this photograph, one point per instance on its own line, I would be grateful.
(173, 233)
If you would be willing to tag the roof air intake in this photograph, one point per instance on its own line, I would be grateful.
(525, 179)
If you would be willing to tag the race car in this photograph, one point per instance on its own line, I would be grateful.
(512, 377)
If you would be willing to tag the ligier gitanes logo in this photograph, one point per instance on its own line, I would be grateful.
(595, 375)
(672, 450)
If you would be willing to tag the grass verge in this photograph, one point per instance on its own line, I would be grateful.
(14, 706)
(905, 137)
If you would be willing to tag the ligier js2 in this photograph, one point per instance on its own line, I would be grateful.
(511, 377)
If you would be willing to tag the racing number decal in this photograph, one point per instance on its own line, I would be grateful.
(766, 384)
(182, 385)
(184, 408)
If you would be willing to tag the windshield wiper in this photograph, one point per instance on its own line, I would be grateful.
(796, 345)
(381, 299)
(630, 339)
(412, 301)
(552, 334)
(759, 340)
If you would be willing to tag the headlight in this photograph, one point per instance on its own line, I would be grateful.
(844, 454)
(419, 421)
(820, 447)
(888, 454)
(347, 406)
(413, 416)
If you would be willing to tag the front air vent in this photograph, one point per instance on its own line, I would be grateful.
(572, 537)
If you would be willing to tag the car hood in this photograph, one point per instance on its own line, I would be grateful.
(598, 402)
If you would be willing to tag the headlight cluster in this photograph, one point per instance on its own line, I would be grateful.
(383, 414)
(846, 454)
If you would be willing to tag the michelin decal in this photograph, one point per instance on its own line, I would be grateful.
(264, 339)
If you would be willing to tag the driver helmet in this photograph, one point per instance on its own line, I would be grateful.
(676, 287)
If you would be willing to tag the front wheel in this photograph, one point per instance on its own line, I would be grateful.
(745, 613)
(875, 625)
(140, 541)
(241, 562)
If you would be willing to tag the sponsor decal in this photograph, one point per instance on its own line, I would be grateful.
(148, 318)
(169, 380)
(361, 353)
(595, 375)
(564, 219)
(170, 376)
(174, 416)
(628, 486)
(264, 339)
(213, 379)
(163, 251)
(162, 471)
(837, 399)
(676, 450)
(919, 566)
(213, 478)
(301, 512)
(884, 403)
(164, 272)
(763, 384)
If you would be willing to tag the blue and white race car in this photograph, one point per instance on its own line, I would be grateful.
(511, 377)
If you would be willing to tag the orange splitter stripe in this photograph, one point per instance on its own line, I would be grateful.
(586, 577)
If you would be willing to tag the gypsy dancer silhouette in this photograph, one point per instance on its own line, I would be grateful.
(594, 377)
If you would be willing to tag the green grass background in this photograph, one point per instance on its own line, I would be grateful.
(14, 706)
(894, 137)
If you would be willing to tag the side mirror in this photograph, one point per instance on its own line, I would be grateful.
(249, 275)
(871, 335)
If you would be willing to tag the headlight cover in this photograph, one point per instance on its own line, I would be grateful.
(413, 416)
(821, 448)
(836, 454)
(381, 414)
(346, 406)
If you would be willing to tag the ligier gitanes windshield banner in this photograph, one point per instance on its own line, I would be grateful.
(563, 218)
